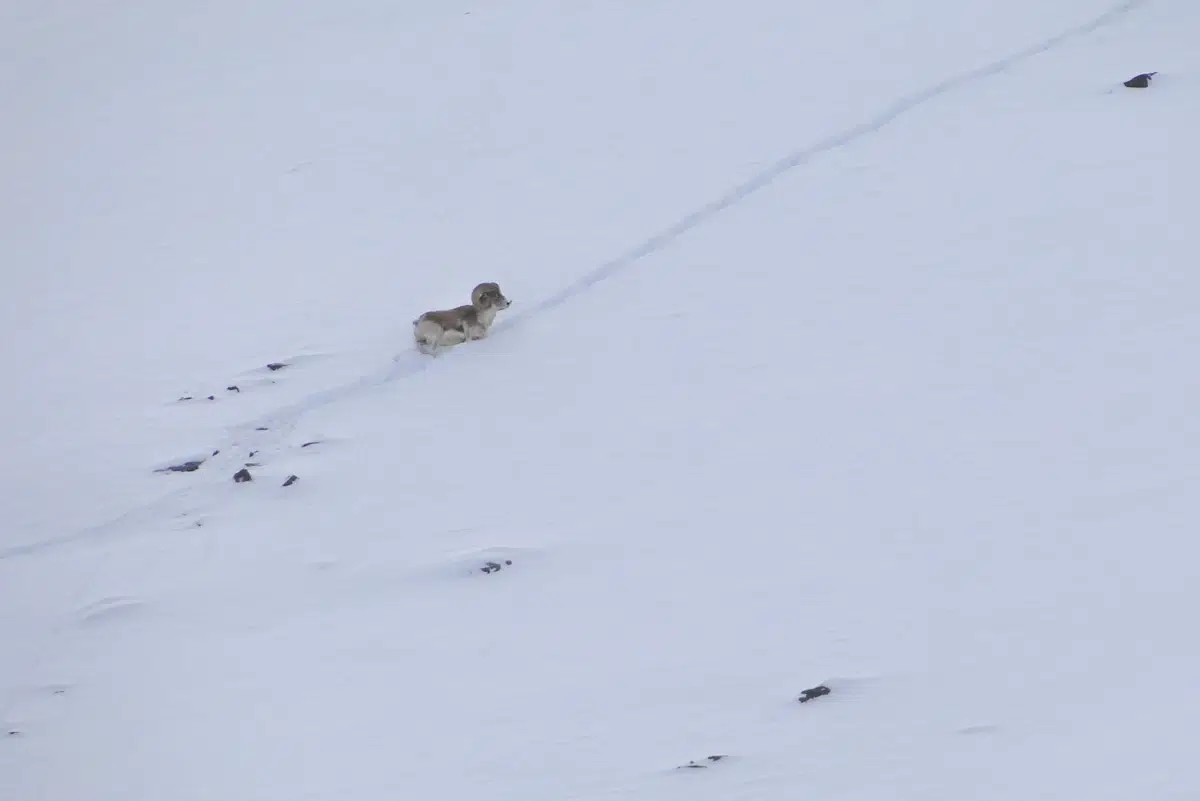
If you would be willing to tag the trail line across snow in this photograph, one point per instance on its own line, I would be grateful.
(281, 422)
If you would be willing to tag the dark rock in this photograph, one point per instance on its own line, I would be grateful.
(262, 428)
(492, 567)
(233, 388)
(186, 398)
(314, 442)
(212, 397)
(291, 480)
(273, 366)
(184, 467)
(693, 764)
(253, 464)
(1140, 81)
(216, 452)
(813, 692)
(242, 476)
(251, 456)
(14, 732)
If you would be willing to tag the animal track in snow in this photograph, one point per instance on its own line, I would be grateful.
(111, 608)
(799, 158)
(276, 426)
(270, 430)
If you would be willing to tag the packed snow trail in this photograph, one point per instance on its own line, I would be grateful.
(801, 157)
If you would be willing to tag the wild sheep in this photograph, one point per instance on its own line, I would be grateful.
(446, 328)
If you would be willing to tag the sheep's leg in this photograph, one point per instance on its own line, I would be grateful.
(423, 343)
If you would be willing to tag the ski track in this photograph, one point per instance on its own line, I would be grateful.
(282, 422)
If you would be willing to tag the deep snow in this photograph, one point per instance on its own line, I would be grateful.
(851, 344)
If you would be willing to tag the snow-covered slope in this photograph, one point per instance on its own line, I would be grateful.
(851, 345)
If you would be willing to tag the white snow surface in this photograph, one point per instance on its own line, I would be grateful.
(853, 343)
